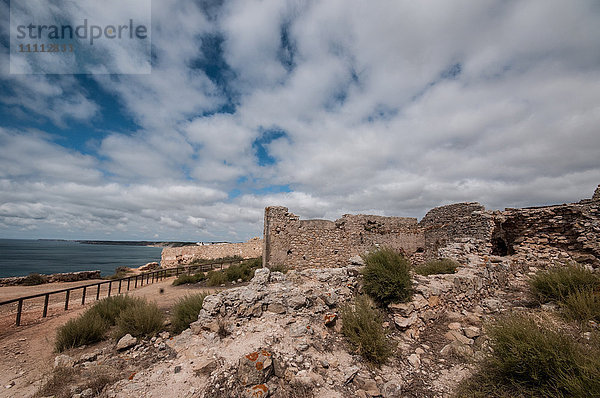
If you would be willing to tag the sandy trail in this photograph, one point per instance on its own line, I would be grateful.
(26, 352)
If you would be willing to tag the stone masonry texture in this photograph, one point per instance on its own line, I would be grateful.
(558, 233)
(314, 243)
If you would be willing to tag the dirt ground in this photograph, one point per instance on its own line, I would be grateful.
(27, 351)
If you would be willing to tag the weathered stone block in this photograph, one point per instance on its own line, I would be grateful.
(255, 368)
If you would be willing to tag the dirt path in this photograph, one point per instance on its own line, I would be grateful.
(26, 352)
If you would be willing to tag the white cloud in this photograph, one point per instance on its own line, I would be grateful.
(388, 108)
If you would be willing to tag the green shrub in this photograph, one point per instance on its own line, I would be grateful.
(235, 272)
(557, 283)
(439, 266)
(34, 279)
(109, 308)
(120, 272)
(186, 311)
(386, 276)
(142, 319)
(132, 315)
(243, 271)
(200, 276)
(254, 263)
(582, 305)
(86, 329)
(362, 325)
(216, 278)
(185, 278)
(201, 261)
(529, 360)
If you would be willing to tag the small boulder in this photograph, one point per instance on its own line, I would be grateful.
(455, 335)
(212, 304)
(392, 389)
(472, 332)
(356, 260)
(298, 329)
(414, 360)
(205, 366)
(403, 322)
(454, 326)
(419, 301)
(277, 308)
(261, 276)
(330, 297)
(404, 309)
(493, 305)
(63, 361)
(255, 368)
(370, 387)
(125, 342)
(296, 301)
(458, 349)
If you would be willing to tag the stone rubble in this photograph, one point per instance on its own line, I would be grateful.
(281, 331)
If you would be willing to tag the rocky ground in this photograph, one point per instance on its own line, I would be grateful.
(280, 336)
(26, 353)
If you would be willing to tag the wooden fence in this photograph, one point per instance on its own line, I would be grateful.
(133, 282)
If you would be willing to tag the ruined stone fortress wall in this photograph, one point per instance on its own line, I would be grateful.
(314, 243)
(464, 231)
(174, 256)
(460, 222)
(568, 232)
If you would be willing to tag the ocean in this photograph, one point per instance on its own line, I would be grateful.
(22, 257)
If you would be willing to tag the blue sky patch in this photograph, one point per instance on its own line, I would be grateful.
(260, 145)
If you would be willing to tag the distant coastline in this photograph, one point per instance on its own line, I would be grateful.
(123, 242)
(135, 243)
(129, 242)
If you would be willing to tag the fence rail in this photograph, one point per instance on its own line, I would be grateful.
(150, 277)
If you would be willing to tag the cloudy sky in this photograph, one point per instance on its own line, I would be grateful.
(326, 107)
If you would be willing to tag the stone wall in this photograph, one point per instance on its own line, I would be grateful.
(323, 243)
(569, 232)
(174, 256)
(460, 222)
(466, 232)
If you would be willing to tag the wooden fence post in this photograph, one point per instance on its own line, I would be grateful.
(45, 312)
(19, 309)
(67, 299)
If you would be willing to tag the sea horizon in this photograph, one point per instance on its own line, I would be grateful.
(20, 257)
